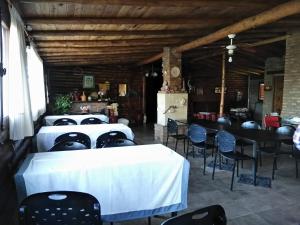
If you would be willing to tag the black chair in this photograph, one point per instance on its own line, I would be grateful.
(60, 207)
(92, 120)
(224, 121)
(296, 154)
(251, 125)
(197, 137)
(211, 215)
(109, 137)
(119, 143)
(288, 131)
(226, 148)
(64, 121)
(71, 141)
(172, 131)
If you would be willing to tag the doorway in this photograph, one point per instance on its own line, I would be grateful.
(278, 93)
(153, 85)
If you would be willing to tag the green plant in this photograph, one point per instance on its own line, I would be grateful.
(62, 104)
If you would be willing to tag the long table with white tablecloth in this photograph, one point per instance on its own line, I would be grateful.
(129, 182)
(46, 136)
(49, 120)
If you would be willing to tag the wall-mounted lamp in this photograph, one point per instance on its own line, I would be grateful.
(152, 73)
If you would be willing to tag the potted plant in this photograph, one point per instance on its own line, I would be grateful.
(62, 104)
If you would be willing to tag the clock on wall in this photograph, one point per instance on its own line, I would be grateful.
(175, 71)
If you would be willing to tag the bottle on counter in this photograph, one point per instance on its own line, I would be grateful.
(83, 97)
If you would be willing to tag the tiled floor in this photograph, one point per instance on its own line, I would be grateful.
(246, 204)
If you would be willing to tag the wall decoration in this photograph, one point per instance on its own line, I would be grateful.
(88, 81)
(261, 91)
(122, 89)
(218, 90)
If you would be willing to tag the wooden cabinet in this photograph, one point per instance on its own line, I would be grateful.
(94, 106)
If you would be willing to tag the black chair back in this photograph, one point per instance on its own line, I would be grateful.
(251, 125)
(224, 121)
(92, 120)
(286, 130)
(120, 143)
(108, 137)
(211, 215)
(225, 141)
(172, 127)
(196, 133)
(71, 141)
(60, 207)
(64, 121)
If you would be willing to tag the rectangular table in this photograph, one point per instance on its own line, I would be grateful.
(46, 136)
(129, 182)
(49, 120)
(255, 137)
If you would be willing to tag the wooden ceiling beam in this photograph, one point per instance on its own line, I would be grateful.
(132, 42)
(97, 49)
(46, 54)
(269, 16)
(84, 33)
(161, 3)
(119, 21)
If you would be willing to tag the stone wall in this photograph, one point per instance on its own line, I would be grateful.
(291, 90)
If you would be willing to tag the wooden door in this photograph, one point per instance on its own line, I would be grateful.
(278, 93)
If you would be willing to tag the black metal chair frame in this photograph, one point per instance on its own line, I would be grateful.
(64, 121)
(211, 215)
(226, 149)
(91, 120)
(60, 207)
(69, 139)
(108, 137)
(120, 142)
(197, 137)
(172, 131)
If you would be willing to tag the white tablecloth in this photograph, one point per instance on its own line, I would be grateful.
(46, 136)
(129, 182)
(49, 120)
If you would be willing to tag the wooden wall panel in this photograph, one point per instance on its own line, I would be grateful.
(64, 80)
(204, 81)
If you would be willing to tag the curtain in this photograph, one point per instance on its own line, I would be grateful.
(36, 83)
(20, 117)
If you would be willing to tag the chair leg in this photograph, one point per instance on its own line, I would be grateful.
(232, 177)
(176, 144)
(242, 151)
(237, 168)
(193, 151)
(260, 159)
(187, 149)
(255, 170)
(215, 161)
(183, 145)
(296, 168)
(167, 140)
(111, 223)
(149, 220)
(204, 158)
(274, 166)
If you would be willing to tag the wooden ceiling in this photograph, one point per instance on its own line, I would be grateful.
(88, 32)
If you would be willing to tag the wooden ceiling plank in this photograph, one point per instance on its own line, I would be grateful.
(269, 16)
(119, 21)
(161, 3)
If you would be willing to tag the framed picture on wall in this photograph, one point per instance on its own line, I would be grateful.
(261, 91)
(88, 81)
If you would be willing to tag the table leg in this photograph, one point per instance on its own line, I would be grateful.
(254, 155)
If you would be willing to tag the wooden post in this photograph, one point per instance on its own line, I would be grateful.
(222, 85)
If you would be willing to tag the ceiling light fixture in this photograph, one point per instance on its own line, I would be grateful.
(231, 47)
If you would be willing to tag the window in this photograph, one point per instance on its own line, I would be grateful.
(36, 83)
(4, 103)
